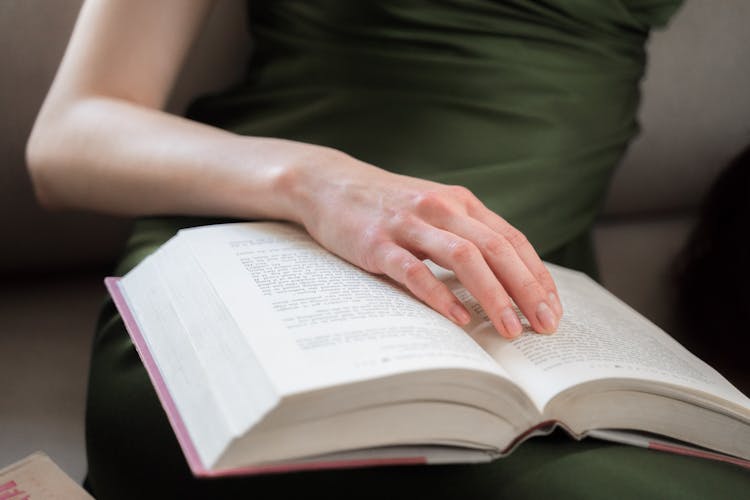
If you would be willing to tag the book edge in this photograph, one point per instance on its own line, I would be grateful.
(170, 408)
(315, 465)
(664, 444)
(39, 454)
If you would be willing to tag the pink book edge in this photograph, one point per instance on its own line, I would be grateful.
(180, 430)
(634, 438)
(695, 452)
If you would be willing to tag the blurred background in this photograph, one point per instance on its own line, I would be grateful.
(695, 117)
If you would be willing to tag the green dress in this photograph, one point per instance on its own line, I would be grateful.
(528, 104)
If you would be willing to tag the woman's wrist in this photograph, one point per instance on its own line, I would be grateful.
(249, 178)
(297, 184)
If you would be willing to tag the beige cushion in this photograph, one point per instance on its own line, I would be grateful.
(46, 329)
(695, 111)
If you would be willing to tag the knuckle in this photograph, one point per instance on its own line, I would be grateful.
(494, 300)
(516, 238)
(461, 192)
(434, 291)
(372, 260)
(413, 270)
(546, 280)
(461, 251)
(496, 247)
(399, 218)
(503, 303)
(430, 202)
(408, 229)
(373, 238)
(369, 262)
(531, 287)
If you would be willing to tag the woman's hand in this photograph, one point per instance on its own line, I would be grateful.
(387, 223)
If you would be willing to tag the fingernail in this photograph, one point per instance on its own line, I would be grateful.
(460, 314)
(556, 305)
(511, 322)
(546, 318)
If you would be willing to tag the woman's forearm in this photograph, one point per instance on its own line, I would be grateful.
(113, 156)
(101, 142)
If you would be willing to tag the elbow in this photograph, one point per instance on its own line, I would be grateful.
(47, 159)
(40, 166)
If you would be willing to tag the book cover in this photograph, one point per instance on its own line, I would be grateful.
(38, 477)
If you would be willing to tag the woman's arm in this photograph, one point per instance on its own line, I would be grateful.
(101, 142)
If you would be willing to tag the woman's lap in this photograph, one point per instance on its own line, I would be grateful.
(133, 452)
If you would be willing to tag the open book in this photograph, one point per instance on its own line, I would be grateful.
(271, 354)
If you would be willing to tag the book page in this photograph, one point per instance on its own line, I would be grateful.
(598, 337)
(315, 320)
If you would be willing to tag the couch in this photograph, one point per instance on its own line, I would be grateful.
(695, 116)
